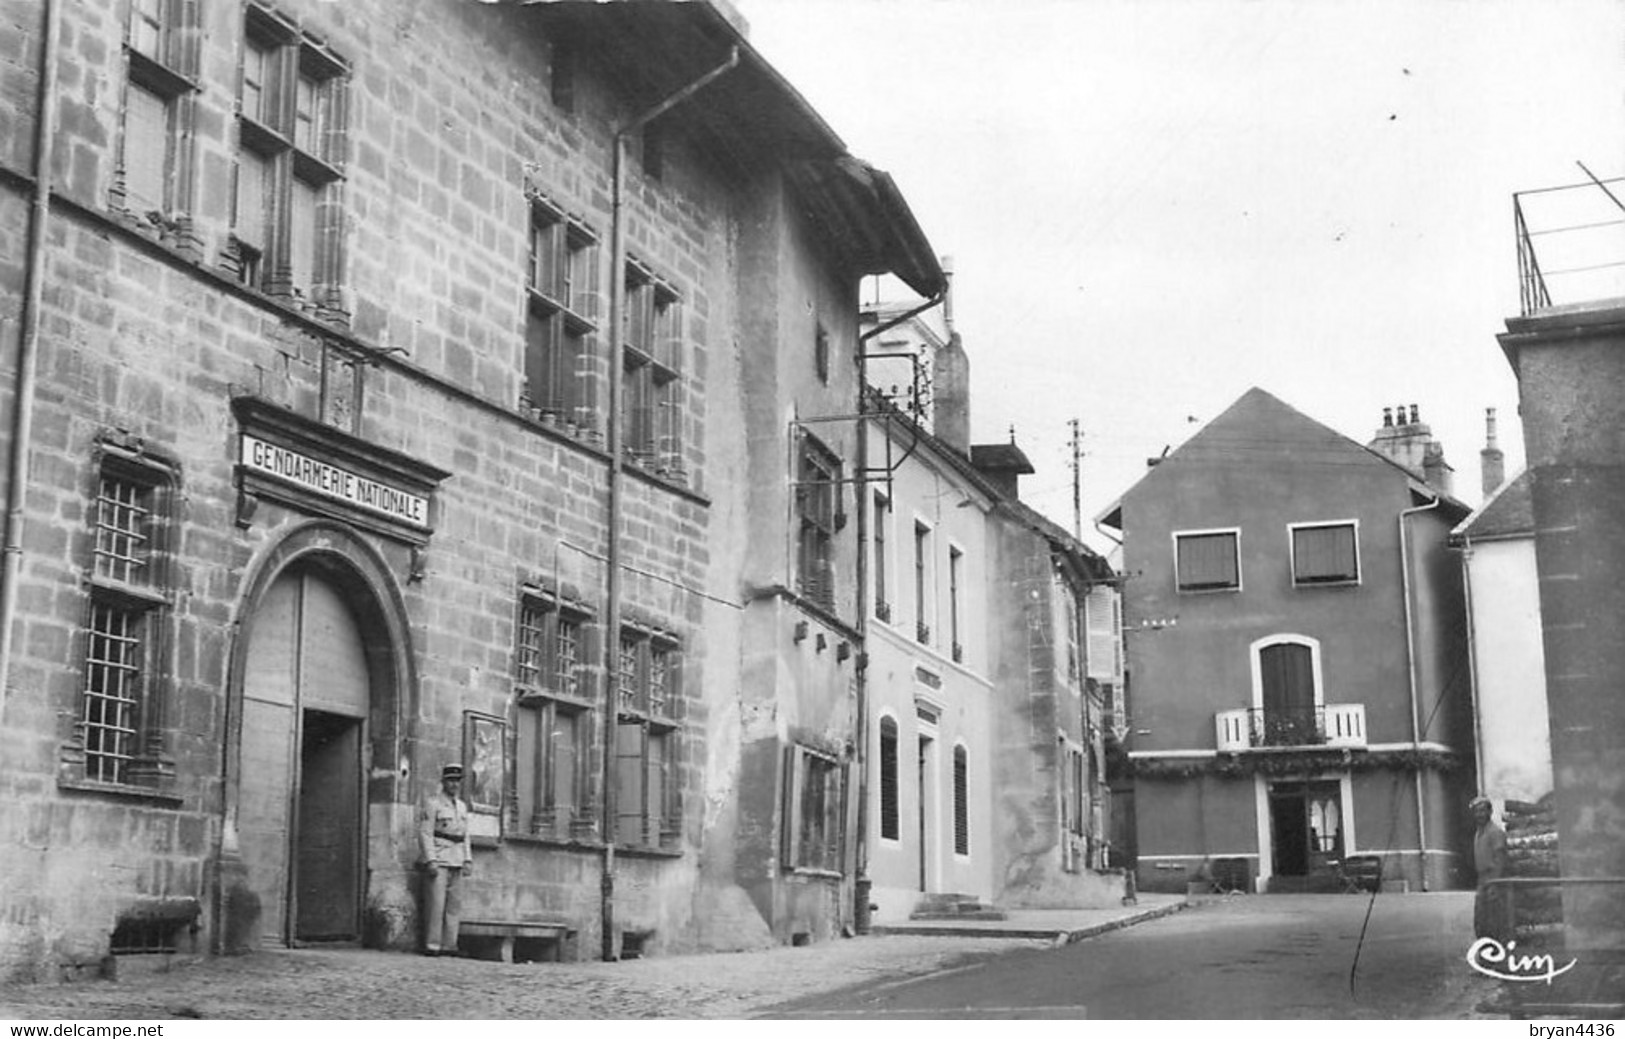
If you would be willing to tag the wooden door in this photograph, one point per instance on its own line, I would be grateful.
(301, 817)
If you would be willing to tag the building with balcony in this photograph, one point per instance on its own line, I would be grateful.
(1297, 688)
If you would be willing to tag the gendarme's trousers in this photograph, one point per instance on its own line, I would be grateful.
(442, 907)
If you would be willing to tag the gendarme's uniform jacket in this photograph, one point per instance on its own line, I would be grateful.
(443, 831)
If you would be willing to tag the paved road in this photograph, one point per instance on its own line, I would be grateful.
(1277, 956)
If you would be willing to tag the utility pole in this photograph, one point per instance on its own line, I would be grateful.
(1077, 479)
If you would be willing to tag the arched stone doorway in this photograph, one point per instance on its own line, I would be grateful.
(321, 680)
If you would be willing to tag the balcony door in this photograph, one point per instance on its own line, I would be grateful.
(1287, 675)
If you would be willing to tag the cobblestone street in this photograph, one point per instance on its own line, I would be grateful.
(363, 984)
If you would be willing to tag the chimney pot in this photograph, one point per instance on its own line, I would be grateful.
(1387, 418)
(1415, 415)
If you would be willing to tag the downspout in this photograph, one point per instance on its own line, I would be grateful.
(22, 419)
(1410, 674)
(612, 591)
(862, 882)
(1472, 657)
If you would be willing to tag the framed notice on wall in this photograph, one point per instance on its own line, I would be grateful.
(484, 771)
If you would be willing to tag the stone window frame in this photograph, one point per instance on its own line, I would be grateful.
(129, 597)
(292, 131)
(815, 789)
(542, 691)
(820, 515)
(652, 349)
(562, 305)
(161, 50)
(650, 663)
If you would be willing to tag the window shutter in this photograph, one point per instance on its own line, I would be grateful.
(1324, 554)
(146, 142)
(302, 236)
(1100, 623)
(888, 779)
(961, 802)
(1207, 561)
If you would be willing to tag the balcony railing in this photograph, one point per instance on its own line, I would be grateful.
(1571, 243)
(1252, 728)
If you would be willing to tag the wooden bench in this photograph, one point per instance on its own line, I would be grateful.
(506, 932)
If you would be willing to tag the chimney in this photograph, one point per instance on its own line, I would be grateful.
(950, 377)
(1409, 441)
(1435, 470)
(1491, 462)
(950, 405)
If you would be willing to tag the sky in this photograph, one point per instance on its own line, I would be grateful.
(1153, 205)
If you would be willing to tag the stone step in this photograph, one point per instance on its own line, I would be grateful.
(982, 913)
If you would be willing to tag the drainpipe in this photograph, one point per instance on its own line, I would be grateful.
(612, 608)
(1472, 656)
(861, 884)
(22, 419)
(1410, 674)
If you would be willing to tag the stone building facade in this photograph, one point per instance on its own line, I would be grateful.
(393, 385)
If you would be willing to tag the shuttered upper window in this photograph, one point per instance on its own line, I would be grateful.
(888, 779)
(1325, 553)
(961, 802)
(1207, 561)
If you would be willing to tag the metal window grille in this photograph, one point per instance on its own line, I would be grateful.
(123, 530)
(627, 679)
(111, 706)
(528, 666)
(659, 680)
(567, 656)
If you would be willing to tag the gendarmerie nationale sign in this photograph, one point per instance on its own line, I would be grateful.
(334, 482)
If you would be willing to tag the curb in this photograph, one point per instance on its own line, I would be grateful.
(1058, 935)
(1068, 937)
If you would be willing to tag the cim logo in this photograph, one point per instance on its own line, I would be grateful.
(1492, 959)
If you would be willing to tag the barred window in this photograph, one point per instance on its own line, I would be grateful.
(118, 737)
(112, 694)
(553, 727)
(647, 809)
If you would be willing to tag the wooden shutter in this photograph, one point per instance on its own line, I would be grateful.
(888, 779)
